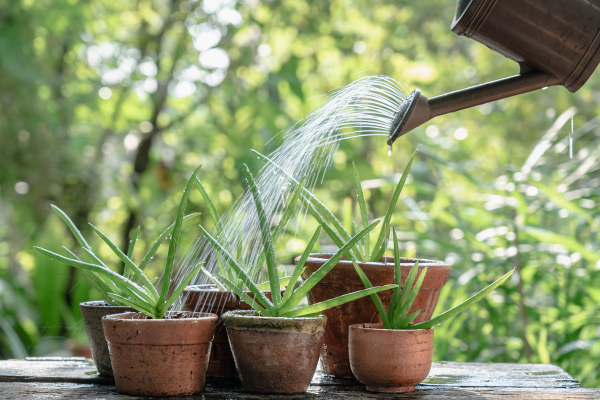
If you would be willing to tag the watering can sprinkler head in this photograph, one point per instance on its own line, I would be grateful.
(555, 42)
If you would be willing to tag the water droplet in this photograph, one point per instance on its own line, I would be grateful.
(389, 151)
(545, 87)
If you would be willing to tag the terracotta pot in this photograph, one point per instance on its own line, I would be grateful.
(159, 357)
(207, 298)
(390, 360)
(275, 355)
(343, 279)
(92, 313)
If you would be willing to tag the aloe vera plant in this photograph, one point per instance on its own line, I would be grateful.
(133, 288)
(236, 249)
(397, 317)
(285, 306)
(364, 250)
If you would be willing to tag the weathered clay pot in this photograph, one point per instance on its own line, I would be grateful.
(343, 279)
(275, 355)
(207, 298)
(390, 360)
(159, 357)
(92, 313)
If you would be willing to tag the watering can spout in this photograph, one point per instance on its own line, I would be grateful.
(556, 42)
(417, 109)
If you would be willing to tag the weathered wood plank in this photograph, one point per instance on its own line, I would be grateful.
(48, 390)
(32, 369)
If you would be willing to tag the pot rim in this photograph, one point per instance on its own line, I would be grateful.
(130, 317)
(423, 262)
(88, 304)
(371, 328)
(250, 320)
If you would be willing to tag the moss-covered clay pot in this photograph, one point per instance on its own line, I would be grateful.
(159, 357)
(343, 279)
(92, 313)
(275, 355)
(208, 298)
(390, 360)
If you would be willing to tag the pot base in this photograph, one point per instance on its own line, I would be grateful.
(390, 389)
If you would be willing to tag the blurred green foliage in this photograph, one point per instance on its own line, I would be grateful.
(106, 107)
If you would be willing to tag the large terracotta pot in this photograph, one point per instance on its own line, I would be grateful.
(275, 355)
(92, 313)
(343, 279)
(159, 357)
(208, 298)
(390, 360)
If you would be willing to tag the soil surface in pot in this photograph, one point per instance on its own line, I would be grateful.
(343, 279)
(275, 355)
(159, 357)
(92, 313)
(388, 360)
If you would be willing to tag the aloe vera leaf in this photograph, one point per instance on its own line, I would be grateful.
(363, 209)
(359, 247)
(72, 227)
(327, 304)
(266, 239)
(280, 228)
(410, 280)
(464, 305)
(93, 281)
(213, 279)
(238, 270)
(379, 247)
(412, 296)
(324, 270)
(405, 322)
(397, 276)
(212, 210)
(177, 292)
(136, 271)
(378, 303)
(132, 243)
(300, 266)
(317, 203)
(339, 242)
(110, 275)
(284, 281)
(175, 237)
(135, 306)
(152, 251)
(247, 299)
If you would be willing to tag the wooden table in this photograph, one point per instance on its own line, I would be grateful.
(76, 378)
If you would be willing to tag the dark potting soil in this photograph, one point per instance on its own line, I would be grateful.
(175, 315)
(101, 303)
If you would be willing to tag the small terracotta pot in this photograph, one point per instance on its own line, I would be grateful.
(390, 360)
(343, 279)
(159, 357)
(208, 298)
(92, 313)
(275, 355)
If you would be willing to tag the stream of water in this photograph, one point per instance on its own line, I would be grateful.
(365, 107)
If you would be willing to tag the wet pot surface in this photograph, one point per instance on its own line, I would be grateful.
(207, 298)
(92, 313)
(390, 361)
(164, 357)
(343, 279)
(275, 355)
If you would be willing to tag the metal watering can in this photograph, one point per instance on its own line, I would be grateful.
(556, 42)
